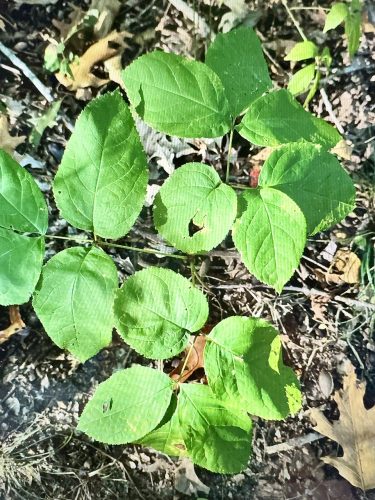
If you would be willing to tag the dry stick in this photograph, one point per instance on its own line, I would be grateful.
(27, 72)
(350, 302)
(293, 443)
(294, 20)
(329, 109)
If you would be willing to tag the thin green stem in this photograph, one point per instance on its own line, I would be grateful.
(313, 88)
(186, 360)
(150, 251)
(294, 20)
(193, 271)
(308, 8)
(68, 238)
(239, 186)
(229, 153)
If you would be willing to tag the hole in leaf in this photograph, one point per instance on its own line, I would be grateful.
(193, 228)
(107, 405)
(113, 45)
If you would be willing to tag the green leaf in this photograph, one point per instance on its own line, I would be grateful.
(271, 235)
(101, 183)
(127, 406)
(217, 436)
(301, 80)
(302, 50)
(314, 179)
(74, 300)
(243, 364)
(190, 204)
(156, 310)
(22, 206)
(336, 15)
(238, 59)
(177, 96)
(21, 260)
(278, 118)
(353, 29)
(46, 120)
(167, 437)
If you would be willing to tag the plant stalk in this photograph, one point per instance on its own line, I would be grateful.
(229, 153)
(150, 251)
(186, 360)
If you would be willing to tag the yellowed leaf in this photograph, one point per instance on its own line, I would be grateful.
(16, 324)
(343, 150)
(7, 141)
(354, 431)
(95, 54)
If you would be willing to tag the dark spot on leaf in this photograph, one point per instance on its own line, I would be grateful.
(180, 446)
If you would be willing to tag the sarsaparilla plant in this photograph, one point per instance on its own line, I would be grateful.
(100, 187)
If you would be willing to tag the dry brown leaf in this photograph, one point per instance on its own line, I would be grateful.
(16, 324)
(354, 431)
(96, 53)
(319, 307)
(75, 17)
(348, 264)
(194, 361)
(7, 141)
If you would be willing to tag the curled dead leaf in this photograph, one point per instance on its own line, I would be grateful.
(354, 431)
(16, 324)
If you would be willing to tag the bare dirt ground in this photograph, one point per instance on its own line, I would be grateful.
(43, 389)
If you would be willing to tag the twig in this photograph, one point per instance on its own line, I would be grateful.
(332, 115)
(193, 16)
(27, 72)
(293, 443)
(350, 302)
(294, 20)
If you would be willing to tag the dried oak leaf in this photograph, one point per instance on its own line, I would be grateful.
(16, 324)
(106, 48)
(354, 431)
(7, 141)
